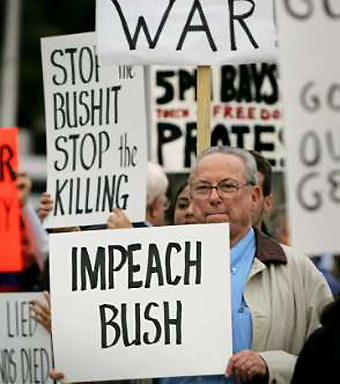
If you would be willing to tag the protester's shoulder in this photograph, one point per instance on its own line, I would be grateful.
(301, 265)
(297, 259)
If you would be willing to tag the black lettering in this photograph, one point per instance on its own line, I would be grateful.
(58, 199)
(310, 149)
(168, 255)
(302, 187)
(125, 326)
(190, 143)
(175, 321)
(154, 266)
(167, 133)
(59, 148)
(240, 131)
(133, 268)
(309, 101)
(298, 14)
(158, 328)
(330, 10)
(196, 28)
(220, 136)
(141, 24)
(161, 81)
(112, 267)
(95, 273)
(195, 264)
(63, 79)
(240, 19)
(104, 323)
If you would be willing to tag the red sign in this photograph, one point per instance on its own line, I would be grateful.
(10, 255)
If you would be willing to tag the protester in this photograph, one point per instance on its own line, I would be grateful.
(266, 198)
(34, 244)
(320, 356)
(277, 296)
(181, 211)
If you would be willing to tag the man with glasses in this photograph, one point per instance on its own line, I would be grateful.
(277, 296)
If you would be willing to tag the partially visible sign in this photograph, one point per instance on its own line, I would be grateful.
(96, 134)
(127, 301)
(185, 32)
(246, 112)
(25, 348)
(10, 255)
(310, 62)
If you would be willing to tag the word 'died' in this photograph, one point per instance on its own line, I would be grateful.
(100, 271)
(196, 22)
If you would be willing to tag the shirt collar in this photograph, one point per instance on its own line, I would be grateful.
(268, 250)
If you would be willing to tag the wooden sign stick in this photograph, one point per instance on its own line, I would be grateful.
(203, 108)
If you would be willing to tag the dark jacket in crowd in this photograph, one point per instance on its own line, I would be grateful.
(320, 357)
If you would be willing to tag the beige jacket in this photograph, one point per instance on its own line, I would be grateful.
(286, 294)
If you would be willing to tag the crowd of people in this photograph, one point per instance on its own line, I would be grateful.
(279, 298)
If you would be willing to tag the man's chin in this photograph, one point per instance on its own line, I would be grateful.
(217, 218)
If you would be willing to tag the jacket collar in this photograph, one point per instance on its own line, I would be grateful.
(268, 250)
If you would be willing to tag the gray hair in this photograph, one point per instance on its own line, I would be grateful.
(157, 183)
(251, 174)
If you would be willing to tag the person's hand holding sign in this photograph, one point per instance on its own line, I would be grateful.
(42, 311)
(45, 206)
(24, 187)
(118, 219)
(246, 365)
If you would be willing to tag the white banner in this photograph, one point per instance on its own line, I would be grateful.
(96, 134)
(185, 32)
(311, 88)
(141, 303)
(25, 348)
(246, 113)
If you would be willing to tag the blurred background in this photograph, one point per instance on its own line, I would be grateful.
(23, 23)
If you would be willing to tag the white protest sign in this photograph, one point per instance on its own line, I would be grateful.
(25, 347)
(96, 134)
(245, 113)
(310, 85)
(141, 303)
(185, 32)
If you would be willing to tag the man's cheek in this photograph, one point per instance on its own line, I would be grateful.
(198, 211)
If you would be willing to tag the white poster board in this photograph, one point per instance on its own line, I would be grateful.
(185, 32)
(158, 306)
(310, 87)
(96, 134)
(246, 113)
(25, 346)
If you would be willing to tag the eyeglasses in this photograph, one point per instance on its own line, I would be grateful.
(224, 189)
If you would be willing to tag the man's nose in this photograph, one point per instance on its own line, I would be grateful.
(214, 195)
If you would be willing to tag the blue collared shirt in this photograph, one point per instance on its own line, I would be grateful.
(242, 257)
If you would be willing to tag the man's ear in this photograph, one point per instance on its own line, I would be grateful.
(255, 195)
(268, 204)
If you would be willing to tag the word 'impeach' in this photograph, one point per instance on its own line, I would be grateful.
(197, 21)
(100, 270)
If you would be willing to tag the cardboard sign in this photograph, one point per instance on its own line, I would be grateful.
(126, 301)
(25, 349)
(96, 134)
(311, 90)
(246, 113)
(185, 32)
(10, 254)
